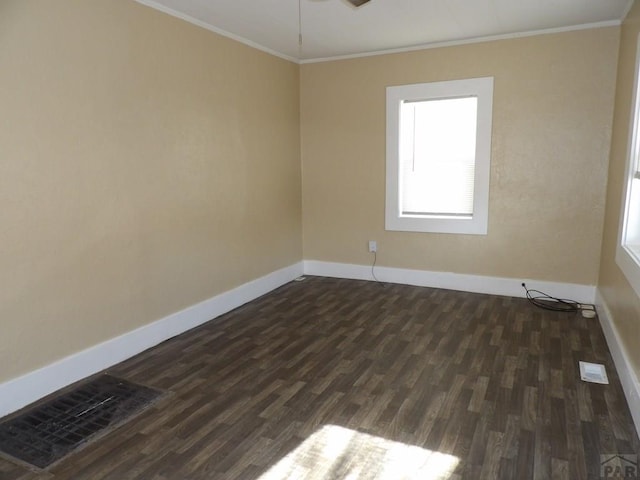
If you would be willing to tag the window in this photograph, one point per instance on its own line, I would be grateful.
(438, 156)
(628, 251)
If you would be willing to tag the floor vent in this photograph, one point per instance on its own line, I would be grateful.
(49, 431)
(593, 372)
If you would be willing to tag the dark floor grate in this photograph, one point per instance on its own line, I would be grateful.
(48, 432)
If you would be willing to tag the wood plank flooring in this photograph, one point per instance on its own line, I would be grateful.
(329, 378)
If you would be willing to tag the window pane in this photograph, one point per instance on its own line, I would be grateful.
(437, 156)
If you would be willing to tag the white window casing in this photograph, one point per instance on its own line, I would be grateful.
(628, 247)
(439, 156)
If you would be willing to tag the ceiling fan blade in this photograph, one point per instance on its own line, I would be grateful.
(358, 3)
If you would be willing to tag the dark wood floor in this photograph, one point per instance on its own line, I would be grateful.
(343, 372)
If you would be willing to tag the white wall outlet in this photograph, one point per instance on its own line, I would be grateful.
(373, 246)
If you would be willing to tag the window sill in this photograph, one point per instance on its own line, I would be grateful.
(454, 225)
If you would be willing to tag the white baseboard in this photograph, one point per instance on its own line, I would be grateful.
(21, 391)
(511, 287)
(628, 377)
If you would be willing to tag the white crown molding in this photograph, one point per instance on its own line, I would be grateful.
(211, 28)
(511, 287)
(466, 41)
(490, 38)
(22, 391)
(628, 377)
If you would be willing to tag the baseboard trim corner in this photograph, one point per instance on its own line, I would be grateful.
(628, 378)
(511, 287)
(26, 389)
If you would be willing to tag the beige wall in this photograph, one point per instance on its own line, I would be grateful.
(146, 164)
(622, 301)
(553, 103)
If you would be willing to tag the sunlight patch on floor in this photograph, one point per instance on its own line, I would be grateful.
(335, 452)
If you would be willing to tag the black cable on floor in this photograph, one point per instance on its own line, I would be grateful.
(542, 300)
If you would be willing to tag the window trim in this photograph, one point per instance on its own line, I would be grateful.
(627, 256)
(482, 88)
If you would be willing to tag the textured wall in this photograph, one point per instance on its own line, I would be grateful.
(146, 165)
(553, 104)
(622, 301)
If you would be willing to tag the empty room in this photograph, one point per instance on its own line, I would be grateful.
(319, 239)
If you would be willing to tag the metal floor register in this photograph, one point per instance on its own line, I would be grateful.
(49, 431)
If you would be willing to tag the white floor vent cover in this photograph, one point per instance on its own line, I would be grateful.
(593, 372)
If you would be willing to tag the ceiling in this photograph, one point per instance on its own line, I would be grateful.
(334, 28)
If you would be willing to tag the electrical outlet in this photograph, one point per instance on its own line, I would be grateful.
(373, 246)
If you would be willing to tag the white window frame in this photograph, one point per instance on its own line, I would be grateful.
(482, 88)
(628, 255)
